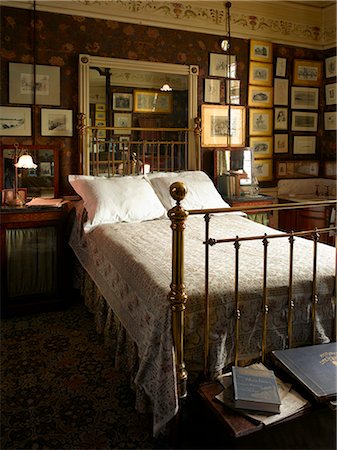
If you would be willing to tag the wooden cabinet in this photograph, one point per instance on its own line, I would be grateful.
(259, 200)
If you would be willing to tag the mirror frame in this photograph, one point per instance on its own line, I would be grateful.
(192, 72)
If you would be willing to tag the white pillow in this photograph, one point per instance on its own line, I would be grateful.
(117, 199)
(201, 192)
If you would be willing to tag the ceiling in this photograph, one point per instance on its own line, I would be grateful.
(316, 4)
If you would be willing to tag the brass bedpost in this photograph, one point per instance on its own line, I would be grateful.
(178, 295)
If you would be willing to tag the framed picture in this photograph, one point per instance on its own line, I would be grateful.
(261, 51)
(124, 143)
(122, 120)
(121, 102)
(330, 94)
(260, 96)
(45, 169)
(263, 169)
(297, 169)
(15, 121)
(261, 146)
(100, 115)
(330, 169)
(304, 98)
(330, 120)
(304, 145)
(8, 196)
(331, 67)
(21, 84)
(216, 130)
(280, 118)
(307, 73)
(281, 91)
(304, 121)
(233, 91)
(281, 67)
(212, 90)
(56, 122)
(100, 107)
(280, 143)
(260, 74)
(221, 65)
(260, 122)
(152, 102)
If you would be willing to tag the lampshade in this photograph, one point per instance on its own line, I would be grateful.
(25, 162)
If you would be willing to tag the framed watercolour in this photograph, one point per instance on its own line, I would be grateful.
(330, 120)
(233, 91)
(15, 121)
(260, 96)
(121, 102)
(280, 118)
(56, 122)
(260, 122)
(330, 169)
(297, 169)
(307, 73)
(152, 102)
(281, 91)
(221, 65)
(304, 145)
(261, 51)
(260, 74)
(21, 84)
(216, 130)
(331, 66)
(122, 120)
(261, 146)
(281, 67)
(281, 143)
(304, 98)
(212, 90)
(263, 169)
(330, 94)
(304, 121)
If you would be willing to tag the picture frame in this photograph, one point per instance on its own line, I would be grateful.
(260, 96)
(297, 169)
(304, 121)
(330, 120)
(56, 122)
(304, 145)
(330, 169)
(233, 91)
(124, 142)
(263, 169)
(8, 196)
(262, 146)
(281, 143)
(261, 51)
(281, 91)
(212, 90)
(215, 126)
(147, 101)
(331, 94)
(304, 98)
(281, 67)
(122, 120)
(307, 73)
(222, 65)
(15, 121)
(122, 101)
(260, 74)
(331, 66)
(280, 118)
(100, 115)
(47, 84)
(260, 122)
(100, 107)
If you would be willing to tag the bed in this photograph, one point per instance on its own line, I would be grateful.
(146, 278)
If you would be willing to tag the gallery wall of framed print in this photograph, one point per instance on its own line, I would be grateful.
(21, 84)
(304, 145)
(304, 98)
(281, 143)
(330, 121)
(307, 73)
(221, 65)
(297, 169)
(281, 91)
(331, 67)
(212, 90)
(330, 94)
(304, 121)
(281, 67)
(260, 122)
(121, 101)
(261, 51)
(260, 96)
(233, 91)
(262, 146)
(215, 126)
(56, 122)
(122, 120)
(15, 121)
(152, 102)
(280, 118)
(263, 169)
(260, 74)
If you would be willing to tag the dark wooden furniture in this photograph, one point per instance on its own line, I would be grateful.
(257, 200)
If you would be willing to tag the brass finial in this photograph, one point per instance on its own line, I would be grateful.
(178, 191)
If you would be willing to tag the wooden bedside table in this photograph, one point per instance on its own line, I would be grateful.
(32, 266)
(257, 200)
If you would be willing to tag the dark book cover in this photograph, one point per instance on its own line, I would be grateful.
(255, 389)
(314, 366)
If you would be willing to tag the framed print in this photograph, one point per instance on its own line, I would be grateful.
(212, 90)
(260, 96)
(307, 73)
(21, 84)
(280, 118)
(263, 169)
(260, 74)
(122, 120)
(281, 91)
(221, 65)
(330, 169)
(233, 91)
(331, 67)
(15, 121)
(216, 130)
(100, 115)
(261, 51)
(260, 122)
(330, 94)
(281, 67)
(304, 121)
(297, 169)
(100, 107)
(304, 98)
(121, 102)
(281, 143)
(124, 143)
(330, 120)
(152, 102)
(56, 122)
(304, 145)
(261, 146)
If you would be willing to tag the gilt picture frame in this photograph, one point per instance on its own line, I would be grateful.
(261, 51)
(307, 73)
(152, 102)
(260, 122)
(260, 96)
(262, 146)
(260, 74)
(122, 101)
(263, 169)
